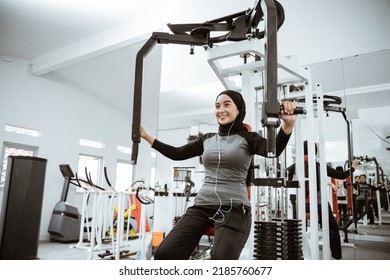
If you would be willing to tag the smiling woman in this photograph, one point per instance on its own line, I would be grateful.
(222, 201)
(66, 67)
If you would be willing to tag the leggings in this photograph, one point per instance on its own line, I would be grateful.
(231, 231)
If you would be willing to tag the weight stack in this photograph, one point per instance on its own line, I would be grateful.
(294, 239)
(276, 240)
(270, 240)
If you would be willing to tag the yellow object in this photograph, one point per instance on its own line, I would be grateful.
(126, 214)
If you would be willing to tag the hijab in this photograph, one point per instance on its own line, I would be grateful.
(237, 125)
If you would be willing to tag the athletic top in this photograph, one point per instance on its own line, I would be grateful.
(226, 160)
(366, 191)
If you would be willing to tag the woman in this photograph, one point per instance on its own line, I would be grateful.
(222, 201)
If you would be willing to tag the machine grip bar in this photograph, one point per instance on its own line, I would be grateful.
(297, 110)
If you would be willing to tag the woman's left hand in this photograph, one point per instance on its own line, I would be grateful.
(287, 115)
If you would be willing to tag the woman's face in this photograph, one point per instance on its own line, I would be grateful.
(225, 109)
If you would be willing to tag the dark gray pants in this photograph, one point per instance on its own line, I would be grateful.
(231, 231)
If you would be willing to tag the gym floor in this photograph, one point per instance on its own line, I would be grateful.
(364, 243)
(73, 251)
(369, 243)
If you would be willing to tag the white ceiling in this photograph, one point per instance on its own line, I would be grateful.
(92, 45)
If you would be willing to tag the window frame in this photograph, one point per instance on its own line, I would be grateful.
(4, 159)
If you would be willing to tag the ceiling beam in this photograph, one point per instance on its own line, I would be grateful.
(99, 44)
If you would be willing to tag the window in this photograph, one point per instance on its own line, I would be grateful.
(124, 175)
(90, 165)
(14, 149)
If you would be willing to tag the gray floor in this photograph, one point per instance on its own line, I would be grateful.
(83, 251)
(368, 243)
(364, 243)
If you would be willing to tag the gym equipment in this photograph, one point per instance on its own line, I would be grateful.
(247, 44)
(370, 163)
(182, 179)
(65, 220)
(131, 222)
(103, 203)
(187, 190)
(306, 172)
(132, 227)
(142, 197)
(239, 27)
(123, 223)
(331, 103)
(275, 236)
(278, 239)
(22, 207)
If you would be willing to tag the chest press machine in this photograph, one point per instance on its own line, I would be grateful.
(240, 28)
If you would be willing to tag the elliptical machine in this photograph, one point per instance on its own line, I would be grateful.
(65, 220)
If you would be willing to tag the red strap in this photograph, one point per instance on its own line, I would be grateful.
(247, 126)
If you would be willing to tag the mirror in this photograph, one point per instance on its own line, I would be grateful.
(363, 84)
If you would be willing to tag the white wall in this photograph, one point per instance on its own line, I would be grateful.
(63, 114)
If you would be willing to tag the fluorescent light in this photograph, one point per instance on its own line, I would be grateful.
(22, 130)
(124, 150)
(91, 144)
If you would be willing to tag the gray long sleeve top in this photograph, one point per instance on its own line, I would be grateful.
(226, 161)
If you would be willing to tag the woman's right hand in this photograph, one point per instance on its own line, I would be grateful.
(355, 163)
